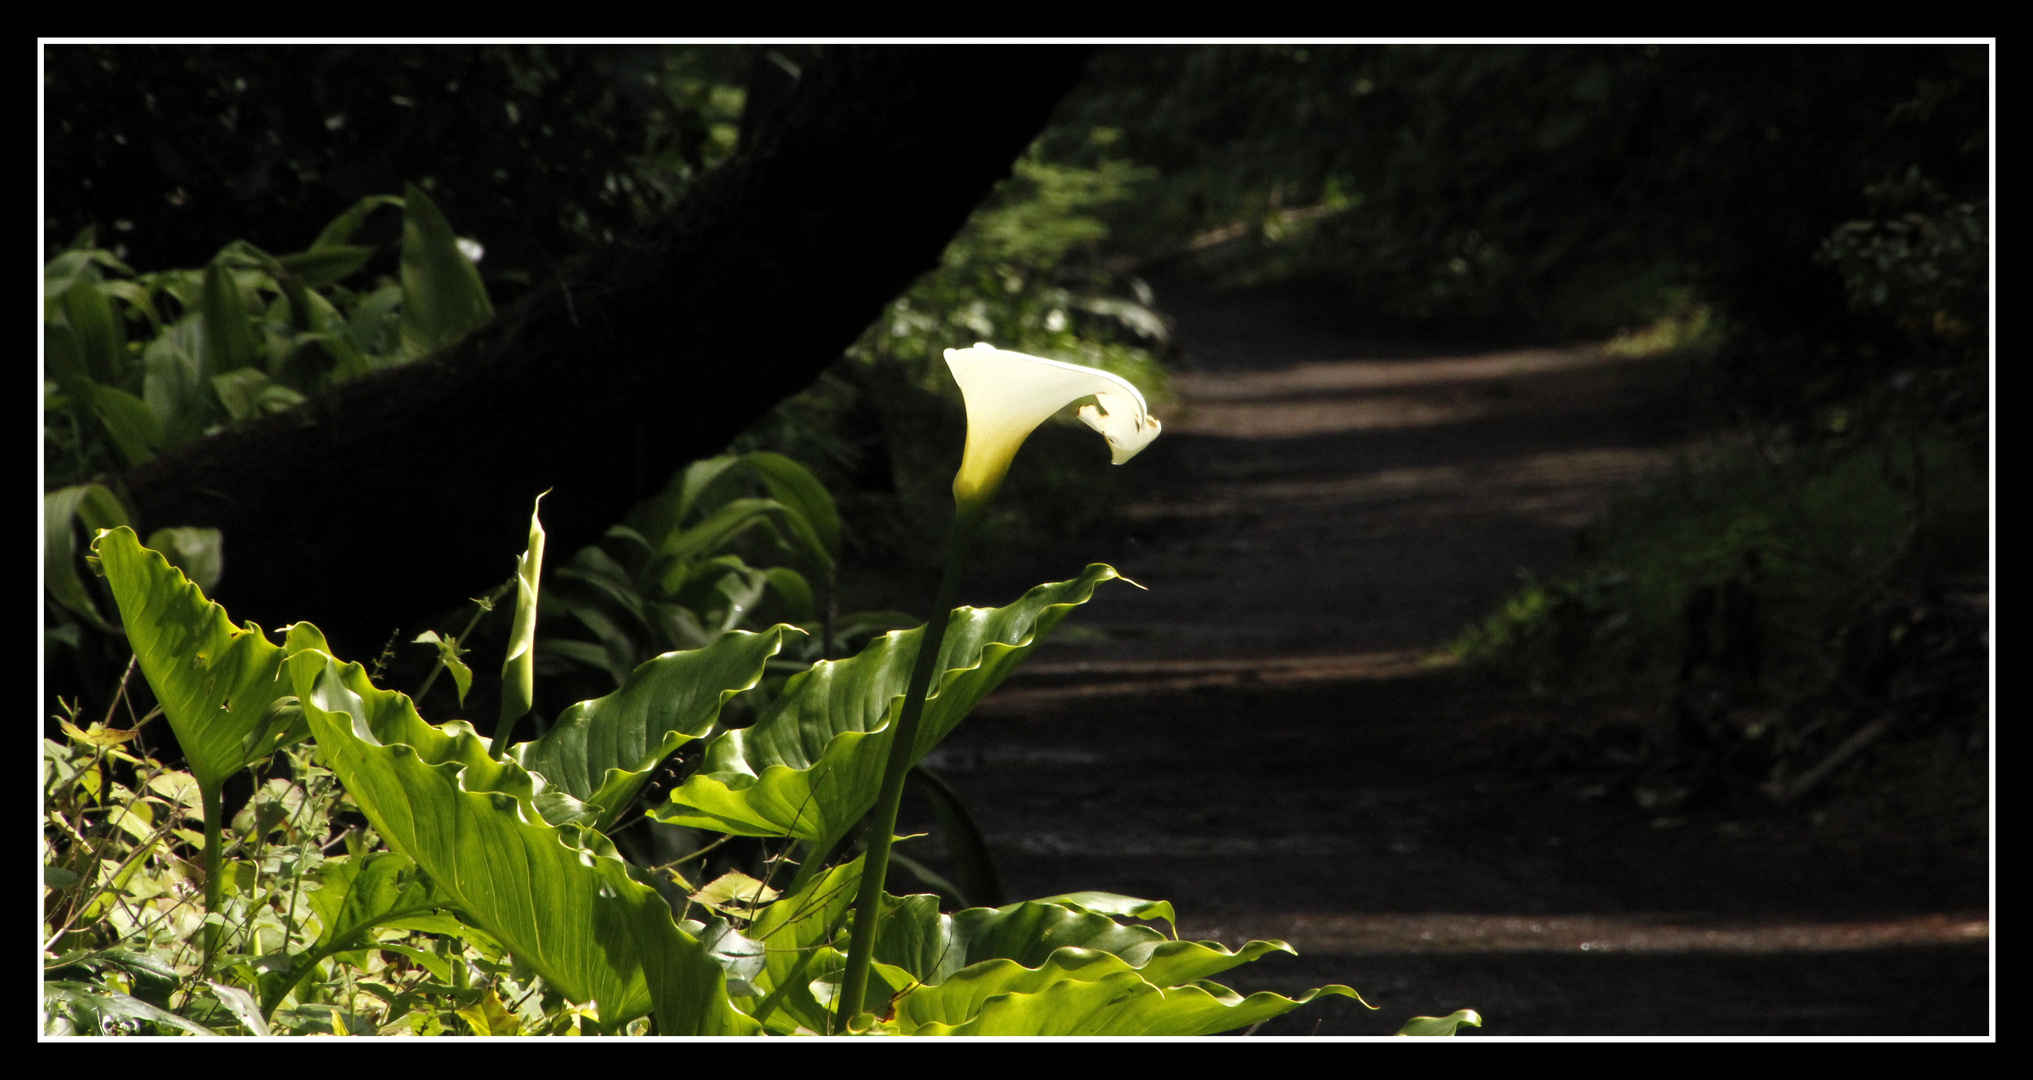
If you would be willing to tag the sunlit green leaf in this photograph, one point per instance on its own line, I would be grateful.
(559, 898)
(1120, 1003)
(1441, 1025)
(97, 735)
(734, 892)
(489, 1016)
(1102, 903)
(219, 686)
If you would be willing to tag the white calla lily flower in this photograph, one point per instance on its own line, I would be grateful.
(1009, 394)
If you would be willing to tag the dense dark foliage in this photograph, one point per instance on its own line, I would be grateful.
(1559, 190)
(173, 150)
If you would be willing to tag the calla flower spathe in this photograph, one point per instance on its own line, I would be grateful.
(1009, 394)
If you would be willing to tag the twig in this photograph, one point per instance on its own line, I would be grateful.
(120, 693)
(696, 854)
(1783, 793)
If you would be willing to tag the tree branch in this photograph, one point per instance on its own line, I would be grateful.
(409, 490)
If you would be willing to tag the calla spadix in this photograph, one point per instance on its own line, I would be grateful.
(1009, 394)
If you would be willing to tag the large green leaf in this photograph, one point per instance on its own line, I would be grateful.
(601, 751)
(943, 969)
(1121, 1002)
(558, 897)
(219, 686)
(932, 946)
(964, 959)
(442, 296)
(813, 764)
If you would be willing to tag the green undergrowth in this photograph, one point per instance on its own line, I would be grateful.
(379, 874)
(1778, 617)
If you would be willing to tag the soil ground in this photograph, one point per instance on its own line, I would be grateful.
(1264, 739)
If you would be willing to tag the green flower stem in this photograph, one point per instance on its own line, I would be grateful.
(215, 885)
(882, 825)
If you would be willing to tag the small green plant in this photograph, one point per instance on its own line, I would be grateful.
(479, 890)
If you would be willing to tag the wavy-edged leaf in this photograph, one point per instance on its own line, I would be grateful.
(601, 752)
(220, 687)
(1441, 1025)
(813, 764)
(1120, 1003)
(933, 946)
(558, 897)
(1107, 903)
(442, 296)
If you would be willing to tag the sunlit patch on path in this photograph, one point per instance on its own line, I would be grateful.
(1046, 681)
(1371, 934)
(1335, 396)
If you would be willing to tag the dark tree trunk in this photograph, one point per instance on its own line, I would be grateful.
(407, 491)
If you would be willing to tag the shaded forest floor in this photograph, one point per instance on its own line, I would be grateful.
(1264, 739)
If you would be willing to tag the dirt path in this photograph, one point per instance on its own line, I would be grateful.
(1261, 739)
